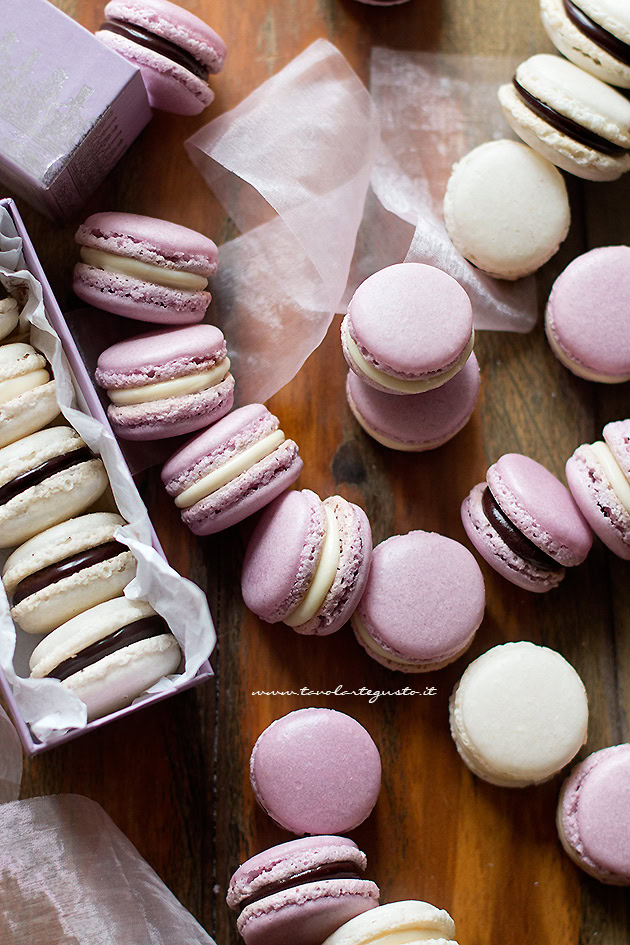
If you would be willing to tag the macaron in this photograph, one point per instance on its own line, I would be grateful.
(518, 715)
(144, 268)
(300, 891)
(409, 921)
(46, 478)
(9, 313)
(571, 118)
(525, 524)
(418, 422)
(28, 397)
(67, 569)
(594, 34)
(594, 815)
(599, 479)
(167, 383)
(423, 602)
(409, 328)
(108, 655)
(316, 771)
(175, 51)
(232, 470)
(586, 319)
(506, 209)
(307, 562)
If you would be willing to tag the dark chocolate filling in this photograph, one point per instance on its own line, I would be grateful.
(566, 125)
(513, 538)
(143, 629)
(137, 34)
(65, 568)
(593, 31)
(328, 873)
(33, 477)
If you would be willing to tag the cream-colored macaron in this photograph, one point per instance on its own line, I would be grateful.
(410, 921)
(594, 34)
(28, 398)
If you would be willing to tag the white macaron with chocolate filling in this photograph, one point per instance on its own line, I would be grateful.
(28, 397)
(108, 655)
(66, 570)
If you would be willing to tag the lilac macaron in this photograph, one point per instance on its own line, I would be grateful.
(301, 891)
(167, 383)
(307, 562)
(599, 478)
(587, 321)
(231, 470)
(144, 268)
(594, 815)
(423, 602)
(409, 328)
(525, 524)
(175, 51)
(420, 421)
(316, 771)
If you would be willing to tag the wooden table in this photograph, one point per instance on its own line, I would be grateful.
(175, 777)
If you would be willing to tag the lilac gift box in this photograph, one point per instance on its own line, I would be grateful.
(89, 402)
(69, 107)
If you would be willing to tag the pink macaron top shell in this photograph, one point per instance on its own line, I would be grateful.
(587, 312)
(540, 507)
(425, 597)
(153, 241)
(617, 436)
(595, 812)
(410, 320)
(160, 355)
(316, 771)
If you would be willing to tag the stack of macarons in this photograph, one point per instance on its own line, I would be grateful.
(408, 340)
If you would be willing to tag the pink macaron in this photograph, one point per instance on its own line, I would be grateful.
(231, 470)
(409, 328)
(587, 320)
(420, 421)
(167, 383)
(594, 815)
(307, 562)
(423, 602)
(316, 771)
(525, 524)
(301, 891)
(175, 51)
(599, 478)
(144, 268)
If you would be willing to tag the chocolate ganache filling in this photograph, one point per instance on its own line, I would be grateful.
(63, 569)
(327, 873)
(593, 31)
(144, 629)
(33, 477)
(157, 44)
(566, 125)
(513, 538)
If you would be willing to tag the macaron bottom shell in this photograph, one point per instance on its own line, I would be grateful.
(133, 298)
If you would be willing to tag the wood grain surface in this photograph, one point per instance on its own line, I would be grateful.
(175, 777)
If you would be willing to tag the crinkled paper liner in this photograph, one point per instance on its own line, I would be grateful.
(46, 705)
(329, 183)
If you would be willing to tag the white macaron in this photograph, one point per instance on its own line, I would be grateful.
(46, 478)
(411, 921)
(67, 569)
(594, 34)
(28, 398)
(109, 655)
(9, 313)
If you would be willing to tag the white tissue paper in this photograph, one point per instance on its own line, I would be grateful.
(10, 763)
(323, 199)
(45, 704)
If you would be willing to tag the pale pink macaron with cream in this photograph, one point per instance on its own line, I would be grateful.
(175, 51)
(144, 268)
(409, 328)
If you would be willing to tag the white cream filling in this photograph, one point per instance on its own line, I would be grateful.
(398, 384)
(126, 266)
(230, 470)
(614, 473)
(19, 385)
(177, 387)
(323, 577)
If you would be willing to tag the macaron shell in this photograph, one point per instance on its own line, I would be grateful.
(598, 501)
(581, 50)
(9, 317)
(411, 920)
(133, 298)
(28, 413)
(617, 436)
